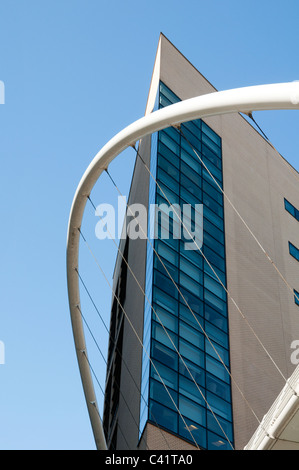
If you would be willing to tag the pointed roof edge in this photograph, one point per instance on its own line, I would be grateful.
(157, 69)
(154, 80)
(192, 65)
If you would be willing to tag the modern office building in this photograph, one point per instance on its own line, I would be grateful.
(217, 322)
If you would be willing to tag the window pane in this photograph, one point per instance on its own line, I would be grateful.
(163, 416)
(173, 133)
(191, 390)
(215, 193)
(222, 427)
(168, 320)
(215, 334)
(192, 410)
(194, 176)
(167, 338)
(164, 355)
(168, 93)
(212, 217)
(169, 377)
(215, 172)
(211, 152)
(188, 283)
(166, 154)
(194, 127)
(193, 431)
(217, 369)
(166, 268)
(215, 318)
(217, 185)
(294, 251)
(211, 204)
(190, 269)
(190, 334)
(215, 302)
(165, 301)
(190, 138)
(167, 167)
(169, 143)
(209, 241)
(214, 273)
(167, 194)
(219, 406)
(218, 387)
(192, 255)
(291, 209)
(190, 300)
(211, 134)
(170, 182)
(165, 284)
(163, 394)
(214, 259)
(189, 198)
(167, 253)
(190, 352)
(213, 230)
(218, 443)
(214, 287)
(195, 165)
(190, 185)
(217, 351)
(197, 373)
(164, 101)
(191, 317)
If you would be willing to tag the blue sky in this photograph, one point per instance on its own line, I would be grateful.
(75, 73)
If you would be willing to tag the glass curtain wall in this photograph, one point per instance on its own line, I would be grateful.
(198, 304)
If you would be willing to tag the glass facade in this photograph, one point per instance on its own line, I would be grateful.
(198, 384)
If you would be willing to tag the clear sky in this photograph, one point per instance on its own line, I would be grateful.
(75, 73)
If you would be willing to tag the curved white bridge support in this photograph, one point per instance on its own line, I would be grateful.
(245, 100)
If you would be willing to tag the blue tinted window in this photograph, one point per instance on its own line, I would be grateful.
(294, 251)
(190, 316)
(222, 428)
(191, 389)
(165, 356)
(192, 410)
(165, 301)
(197, 372)
(188, 351)
(211, 134)
(215, 442)
(164, 336)
(168, 320)
(163, 416)
(291, 209)
(161, 371)
(163, 394)
(193, 432)
(191, 335)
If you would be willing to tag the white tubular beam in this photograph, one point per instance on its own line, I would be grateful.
(245, 100)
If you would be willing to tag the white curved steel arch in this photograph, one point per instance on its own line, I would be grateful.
(257, 98)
